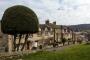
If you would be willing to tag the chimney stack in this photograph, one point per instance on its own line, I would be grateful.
(54, 22)
(47, 22)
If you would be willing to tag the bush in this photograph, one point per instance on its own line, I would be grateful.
(63, 41)
(19, 19)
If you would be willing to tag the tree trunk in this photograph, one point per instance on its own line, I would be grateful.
(73, 39)
(28, 43)
(14, 42)
(20, 36)
(25, 42)
(62, 34)
(54, 39)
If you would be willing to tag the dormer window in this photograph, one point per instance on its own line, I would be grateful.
(46, 31)
(51, 31)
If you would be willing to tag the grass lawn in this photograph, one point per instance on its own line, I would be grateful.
(76, 52)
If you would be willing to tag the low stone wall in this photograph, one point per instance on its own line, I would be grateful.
(14, 55)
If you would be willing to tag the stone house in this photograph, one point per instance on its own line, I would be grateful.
(48, 32)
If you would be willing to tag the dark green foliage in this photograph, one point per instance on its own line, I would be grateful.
(63, 40)
(19, 19)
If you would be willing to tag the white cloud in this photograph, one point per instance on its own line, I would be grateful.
(63, 11)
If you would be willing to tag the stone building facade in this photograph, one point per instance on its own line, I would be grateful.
(48, 34)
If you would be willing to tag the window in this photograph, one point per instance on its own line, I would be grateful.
(30, 35)
(46, 33)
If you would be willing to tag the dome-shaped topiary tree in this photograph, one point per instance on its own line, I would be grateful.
(19, 20)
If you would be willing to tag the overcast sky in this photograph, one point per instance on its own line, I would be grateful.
(66, 12)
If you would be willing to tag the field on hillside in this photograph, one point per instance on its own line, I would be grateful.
(76, 52)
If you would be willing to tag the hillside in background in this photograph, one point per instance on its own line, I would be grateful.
(81, 27)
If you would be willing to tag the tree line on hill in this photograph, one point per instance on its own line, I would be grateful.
(80, 27)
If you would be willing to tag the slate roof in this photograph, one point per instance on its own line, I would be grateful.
(43, 26)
